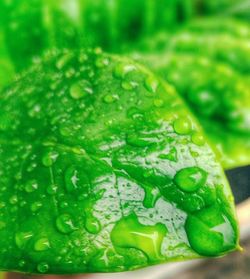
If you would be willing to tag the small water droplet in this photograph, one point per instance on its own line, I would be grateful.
(151, 84)
(42, 244)
(31, 186)
(129, 85)
(108, 99)
(36, 206)
(92, 225)
(190, 179)
(158, 103)
(64, 224)
(21, 263)
(151, 196)
(81, 89)
(2, 204)
(138, 140)
(121, 70)
(42, 267)
(13, 199)
(2, 225)
(63, 61)
(52, 189)
(83, 57)
(49, 158)
(101, 62)
(71, 179)
(21, 238)
(63, 204)
(198, 139)
(171, 155)
(182, 126)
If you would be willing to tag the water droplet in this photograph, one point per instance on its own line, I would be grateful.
(139, 140)
(109, 99)
(64, 224)
(190, 179)
(21, 263)
(36, 206)
(210, 232)
(42, 244)
(21, 238)
(2, 204)
(135, 113)
(13, 199)
(158, 103)
(151, 84)
(83, 57)
(63, 204)
(42, 267)
(121, 70)
(182, 126)
(92, 225)
(52, 189)
(65, 130)
(171, 156)
(129, 85)
(101, 62)
(198, 139)
(2, 225)
(49, 158)
(71, 179)
(151, 196)
(81, 89)
(130, 233)
(31, 186)
(63, 61)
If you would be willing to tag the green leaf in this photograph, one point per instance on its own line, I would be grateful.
(218, 96)
(99, 176)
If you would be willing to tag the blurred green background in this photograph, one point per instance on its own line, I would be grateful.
(201, 46)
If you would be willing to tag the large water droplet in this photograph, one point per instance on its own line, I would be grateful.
(64, 224)
(190, 179)
(130, 233)
(210, 232)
